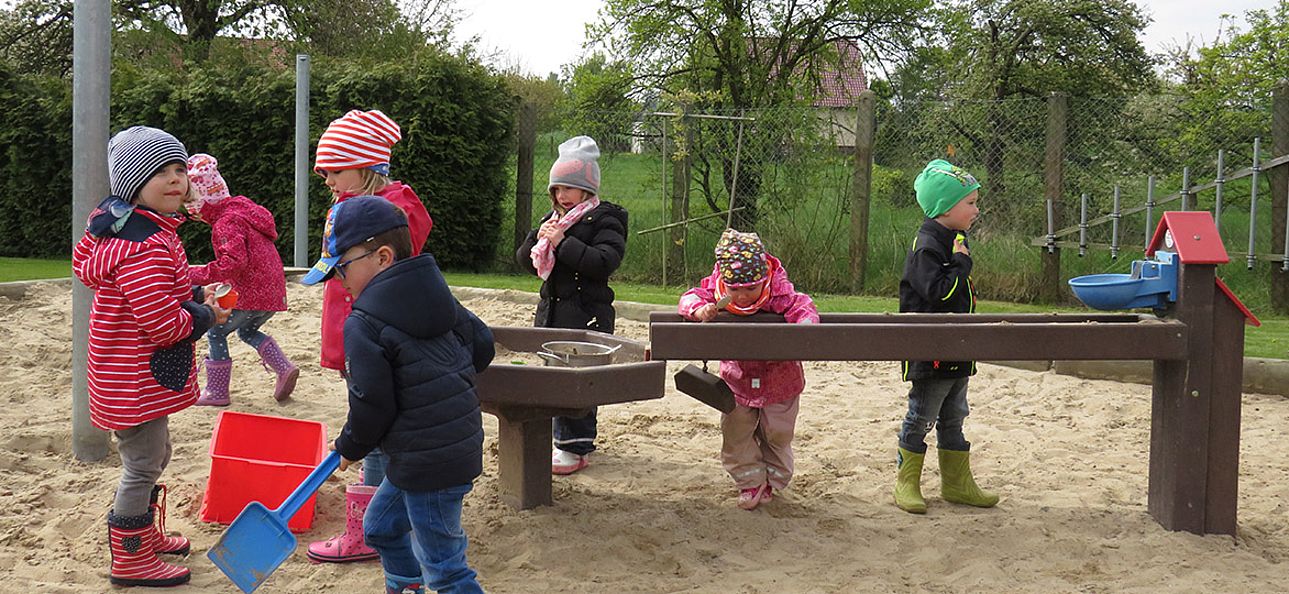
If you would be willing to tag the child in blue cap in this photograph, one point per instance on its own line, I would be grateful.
(411, 351)
(937, 279)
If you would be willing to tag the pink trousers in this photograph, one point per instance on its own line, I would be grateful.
(757, 446)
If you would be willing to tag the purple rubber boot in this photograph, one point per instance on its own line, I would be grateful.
(218, 373)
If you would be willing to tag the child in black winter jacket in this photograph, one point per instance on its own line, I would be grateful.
(411, 352)
(577, 247)
(937, 279)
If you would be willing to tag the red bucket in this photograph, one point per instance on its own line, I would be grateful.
(260, 458)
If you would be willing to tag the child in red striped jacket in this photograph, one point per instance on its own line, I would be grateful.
(144, 320)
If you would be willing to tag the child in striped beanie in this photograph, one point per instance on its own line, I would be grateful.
(143, 323)
(354, 158)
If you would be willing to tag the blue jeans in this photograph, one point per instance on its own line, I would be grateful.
(939, 403)
(575, 435)
(418, 535)
(247, 324)
(374, 468)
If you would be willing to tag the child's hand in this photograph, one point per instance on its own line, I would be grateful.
(221, 314)
(551, 232)
(960, 245)
(344, 462)
(706, 313)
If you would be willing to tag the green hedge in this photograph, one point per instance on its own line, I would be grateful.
(456, 116)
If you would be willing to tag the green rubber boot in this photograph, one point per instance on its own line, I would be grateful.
(957, 484)
(908, 485)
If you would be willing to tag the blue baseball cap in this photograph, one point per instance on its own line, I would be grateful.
(350, 223)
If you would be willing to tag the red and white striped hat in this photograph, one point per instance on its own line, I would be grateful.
(360, 139)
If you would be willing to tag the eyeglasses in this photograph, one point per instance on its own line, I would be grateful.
(341, 266)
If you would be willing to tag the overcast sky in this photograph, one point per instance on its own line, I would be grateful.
(541, 35)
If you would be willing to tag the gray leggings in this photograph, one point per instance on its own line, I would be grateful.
(145, 452)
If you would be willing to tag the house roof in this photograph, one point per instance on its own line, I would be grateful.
(840, 83)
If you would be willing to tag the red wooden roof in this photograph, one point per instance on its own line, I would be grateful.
(1194, 236)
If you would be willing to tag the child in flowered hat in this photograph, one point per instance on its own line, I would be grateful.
(937, 279)
(354, 158)
(757, 434)
(242, 233)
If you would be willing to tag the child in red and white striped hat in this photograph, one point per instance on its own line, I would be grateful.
(353, 157)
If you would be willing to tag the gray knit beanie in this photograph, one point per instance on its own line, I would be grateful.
(135, 154)
(577, 165)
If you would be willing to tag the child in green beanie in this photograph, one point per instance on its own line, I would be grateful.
(937, 279)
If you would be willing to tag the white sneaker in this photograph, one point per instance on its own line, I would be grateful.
(563, 462)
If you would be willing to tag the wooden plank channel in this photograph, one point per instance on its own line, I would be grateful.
(924, 341)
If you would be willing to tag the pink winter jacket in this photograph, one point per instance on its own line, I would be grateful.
(243, 233)
(758, 383)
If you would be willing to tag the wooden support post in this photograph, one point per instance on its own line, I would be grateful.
(527, 133)
(1279, 178)
(1194, 433)
(861, 189)
(1058, 109)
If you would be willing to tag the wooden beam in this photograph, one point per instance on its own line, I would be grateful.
(945, 341)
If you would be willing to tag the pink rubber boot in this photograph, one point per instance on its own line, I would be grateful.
(286, 371)
(347, 546)
(218, 374)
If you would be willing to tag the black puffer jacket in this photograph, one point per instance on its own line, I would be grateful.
(937, 280)
(412, 351)
(577, 293)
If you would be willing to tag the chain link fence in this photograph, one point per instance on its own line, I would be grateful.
(789, 172)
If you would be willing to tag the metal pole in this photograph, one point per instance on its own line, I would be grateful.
(301, 160)
(1150, 209)
(1114, 232)
(91, 99)
(1186, 188)
(1221, 179)
(665, 188)
(1083, 226)
(1253, 202)
(1051, 227)
(738, 150)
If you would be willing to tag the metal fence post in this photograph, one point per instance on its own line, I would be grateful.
(91, 100)
(527, 133)
(1058, 109)
(680, 200)
(861, 188)
(301, 160)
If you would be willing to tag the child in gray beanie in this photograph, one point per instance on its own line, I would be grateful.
(577, 246)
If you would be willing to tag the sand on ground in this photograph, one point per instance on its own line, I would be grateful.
(656, 513)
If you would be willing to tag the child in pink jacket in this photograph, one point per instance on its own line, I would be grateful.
(757, 448)
(242, 233)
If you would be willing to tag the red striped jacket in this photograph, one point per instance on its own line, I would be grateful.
(143, 321)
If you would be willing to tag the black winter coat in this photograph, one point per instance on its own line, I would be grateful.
(577, 293)
(412, 352)
(937, 280)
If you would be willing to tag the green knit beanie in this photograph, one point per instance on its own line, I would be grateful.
(941, 185)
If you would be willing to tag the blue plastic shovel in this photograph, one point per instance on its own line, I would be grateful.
(258, 541)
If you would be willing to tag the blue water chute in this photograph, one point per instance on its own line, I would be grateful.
(1153, 284)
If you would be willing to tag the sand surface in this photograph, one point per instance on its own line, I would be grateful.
(655, 512)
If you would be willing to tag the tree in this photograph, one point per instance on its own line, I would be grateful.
(744, 54)
(36, 35)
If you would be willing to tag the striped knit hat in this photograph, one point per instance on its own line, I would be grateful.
(360, 139)
(135, 154)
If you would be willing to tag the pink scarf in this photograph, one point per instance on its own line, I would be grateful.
(544, 253)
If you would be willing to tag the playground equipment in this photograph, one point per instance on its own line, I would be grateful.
(525, 398)
(1197, 347)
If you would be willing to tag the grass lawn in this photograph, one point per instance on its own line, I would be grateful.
(1271, 340)
(15, 269)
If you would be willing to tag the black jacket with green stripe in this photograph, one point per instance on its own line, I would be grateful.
(936, 280)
